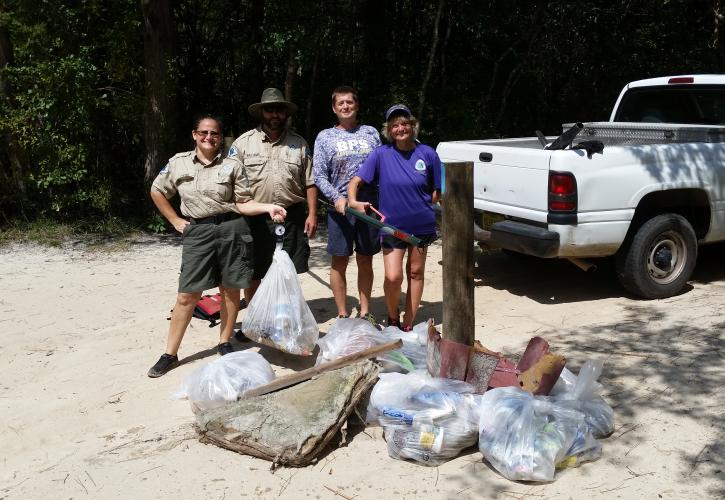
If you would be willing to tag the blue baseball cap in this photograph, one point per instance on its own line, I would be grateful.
(397, 109)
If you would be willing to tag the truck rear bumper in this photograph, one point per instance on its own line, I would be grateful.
(526, 239)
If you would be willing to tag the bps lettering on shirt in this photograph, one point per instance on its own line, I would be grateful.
(352, 147)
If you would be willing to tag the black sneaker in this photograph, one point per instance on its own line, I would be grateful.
(240, 337)
(165, 363)
(224, 348)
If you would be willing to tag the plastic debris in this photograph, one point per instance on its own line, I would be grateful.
(350, 335)
(224, 380)
(410, 357)
(583, 393)
(425, 419)
(526, 437)
(278, 315)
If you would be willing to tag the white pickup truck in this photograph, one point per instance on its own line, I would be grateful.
(647, 186)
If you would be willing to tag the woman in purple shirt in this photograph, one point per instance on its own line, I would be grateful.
(409, 176)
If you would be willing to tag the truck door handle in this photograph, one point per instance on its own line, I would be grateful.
(485, 157)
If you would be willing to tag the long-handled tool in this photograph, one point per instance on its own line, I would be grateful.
(385, 228)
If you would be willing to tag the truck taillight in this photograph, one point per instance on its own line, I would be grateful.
(681, 79)
(562, 192)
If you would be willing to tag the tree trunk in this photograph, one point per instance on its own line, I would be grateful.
(256, 23)
(431, 59)
(158, 48)
(12, 160)
(289, 81)
(313, 89)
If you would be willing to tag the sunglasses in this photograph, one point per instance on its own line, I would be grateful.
(274, 108)
(212, 133)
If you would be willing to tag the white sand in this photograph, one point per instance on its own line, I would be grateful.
(80, 328)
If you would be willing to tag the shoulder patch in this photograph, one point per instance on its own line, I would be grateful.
(232, 152)
(164, 170)
(225, 170)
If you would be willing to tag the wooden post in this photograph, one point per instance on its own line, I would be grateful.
(458, 316)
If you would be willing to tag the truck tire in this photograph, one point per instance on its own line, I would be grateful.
(660, 258)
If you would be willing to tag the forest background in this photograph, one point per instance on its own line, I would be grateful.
(96, 95)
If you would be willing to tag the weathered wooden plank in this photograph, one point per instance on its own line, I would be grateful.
(296, 378)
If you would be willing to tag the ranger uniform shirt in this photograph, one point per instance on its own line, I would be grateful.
(204, 190)
(276, 172)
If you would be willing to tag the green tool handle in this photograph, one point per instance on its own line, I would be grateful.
(386, 228)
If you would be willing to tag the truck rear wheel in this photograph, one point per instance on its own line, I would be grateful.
(660, 259)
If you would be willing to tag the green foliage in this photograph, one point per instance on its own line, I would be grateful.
(157, 224)
(55, 232)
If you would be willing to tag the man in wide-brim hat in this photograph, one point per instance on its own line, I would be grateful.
(278, 169)
(271, 97)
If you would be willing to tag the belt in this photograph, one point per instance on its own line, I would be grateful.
(215, 219)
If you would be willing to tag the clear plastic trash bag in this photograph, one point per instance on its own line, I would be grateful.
(396, 390)
(526, 437)
(224, 380)
(351, 335)
(348, 336)
(278, 314)
(425, 419)
(410, 357)
(583, 393)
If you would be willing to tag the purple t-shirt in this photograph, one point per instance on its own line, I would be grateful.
(407, 180)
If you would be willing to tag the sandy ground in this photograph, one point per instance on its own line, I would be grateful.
(80, 327)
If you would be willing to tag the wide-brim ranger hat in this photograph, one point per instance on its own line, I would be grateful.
(271, 96)
(397, 110)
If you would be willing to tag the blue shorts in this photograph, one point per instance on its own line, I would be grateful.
(393, 242)
(345, 233)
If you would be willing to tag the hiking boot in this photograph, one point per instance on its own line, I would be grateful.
(165, 363)
(224, 348)
(240, 337)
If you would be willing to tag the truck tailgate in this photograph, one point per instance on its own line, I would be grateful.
(507, 180)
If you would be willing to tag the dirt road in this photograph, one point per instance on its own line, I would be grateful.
(80, 327)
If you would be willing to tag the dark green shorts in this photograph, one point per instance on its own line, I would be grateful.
(216, 254)
(295, 241)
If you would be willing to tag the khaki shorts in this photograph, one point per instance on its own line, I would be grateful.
(295, 243)
(216, 254)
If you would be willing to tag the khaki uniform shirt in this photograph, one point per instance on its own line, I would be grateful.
(204, 190)
(273, 172)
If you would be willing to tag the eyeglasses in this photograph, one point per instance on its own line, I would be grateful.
(212, 133)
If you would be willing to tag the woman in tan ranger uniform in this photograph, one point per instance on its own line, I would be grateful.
(217, 244)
